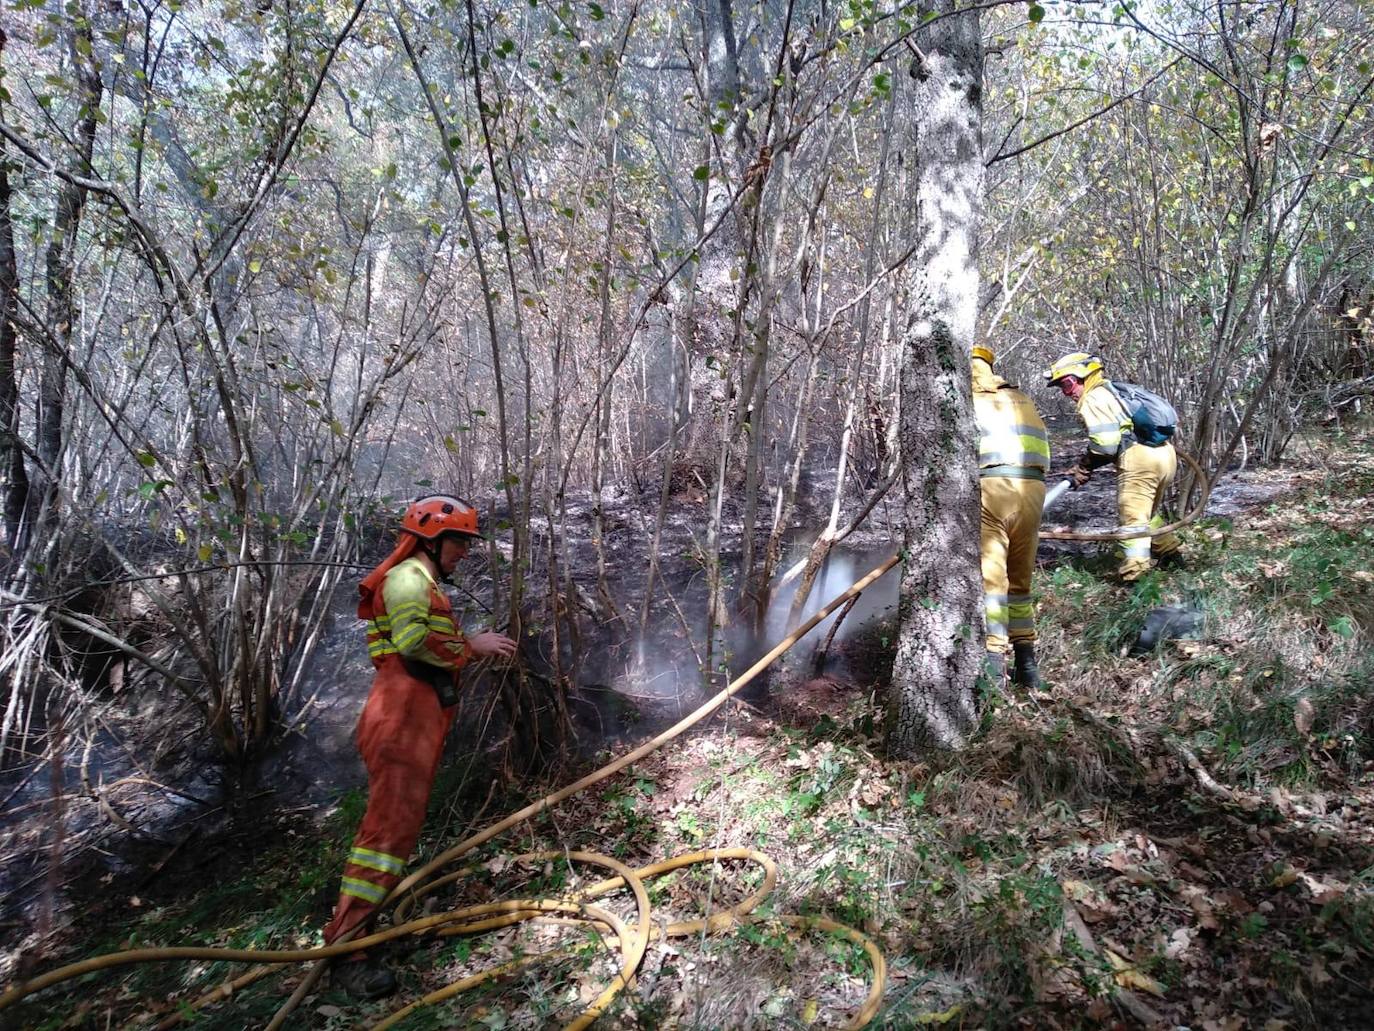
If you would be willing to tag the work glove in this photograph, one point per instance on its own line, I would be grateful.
(1078, 475)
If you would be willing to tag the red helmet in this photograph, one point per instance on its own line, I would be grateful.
(432, 517)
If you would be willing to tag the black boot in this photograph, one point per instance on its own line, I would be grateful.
(363, 978)
(1173, 560)
(1026, 673)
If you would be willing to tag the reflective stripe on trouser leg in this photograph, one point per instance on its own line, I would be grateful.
(369, 873)
(1024, 539)
(1136, 547)
(998, 618)
(1021, 618)
(1166, 461)
(1165, 543)
(1144, 475)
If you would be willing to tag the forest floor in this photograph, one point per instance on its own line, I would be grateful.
(1183, 837)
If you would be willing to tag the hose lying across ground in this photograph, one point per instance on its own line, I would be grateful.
(1204, 492)
(631, 940)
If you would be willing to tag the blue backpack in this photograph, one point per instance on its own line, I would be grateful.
(1153, 419)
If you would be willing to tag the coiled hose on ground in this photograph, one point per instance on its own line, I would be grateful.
(631, 940)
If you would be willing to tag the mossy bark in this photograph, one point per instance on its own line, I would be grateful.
(940, 646)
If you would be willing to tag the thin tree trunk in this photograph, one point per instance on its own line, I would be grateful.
(679, 387)
(16, 489)
(601, 454)
(59, 264)
(787, 493)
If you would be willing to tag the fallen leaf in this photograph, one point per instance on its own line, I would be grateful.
(944, 1017)
(1235, 902)
(809, 1012)
(1317, 974)
(1322, 891)
(1303, 715)
(1281, 875)
(1179, 942)
(1129, 976)
(1100, 1012)
(1202, 906)
(1192, 872)
(1118, 861)
(1091, 904)
(1079, 891)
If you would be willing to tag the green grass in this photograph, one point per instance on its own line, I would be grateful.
(1274, 693)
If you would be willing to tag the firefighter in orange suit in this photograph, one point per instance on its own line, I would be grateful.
(417, 650)
(1013, 458)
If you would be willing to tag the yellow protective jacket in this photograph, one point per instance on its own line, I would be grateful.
(415, 620)
(1012, 440)
(1013, 458)
(1106, 420)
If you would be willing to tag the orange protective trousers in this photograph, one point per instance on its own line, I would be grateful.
(401, 737)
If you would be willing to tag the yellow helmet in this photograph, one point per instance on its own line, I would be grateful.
(980, 351)
(1080, 365)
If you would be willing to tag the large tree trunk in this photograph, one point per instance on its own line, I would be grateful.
(940, 647)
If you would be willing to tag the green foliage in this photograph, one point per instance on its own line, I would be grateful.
(1020, 910)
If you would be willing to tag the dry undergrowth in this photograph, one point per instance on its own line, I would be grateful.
(1182, 838)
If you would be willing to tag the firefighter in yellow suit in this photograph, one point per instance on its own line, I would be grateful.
(1013, 459)
(1143, 473)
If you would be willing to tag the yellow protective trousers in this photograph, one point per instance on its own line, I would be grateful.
(1143, 475)
(1010, 535)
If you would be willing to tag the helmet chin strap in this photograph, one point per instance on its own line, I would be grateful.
(432, 550)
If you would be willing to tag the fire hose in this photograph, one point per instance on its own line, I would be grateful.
(631, 939)
(1121, 533)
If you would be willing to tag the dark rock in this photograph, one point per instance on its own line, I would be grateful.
(1168, 623)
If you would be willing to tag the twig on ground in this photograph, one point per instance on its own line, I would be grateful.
(1127, 999)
